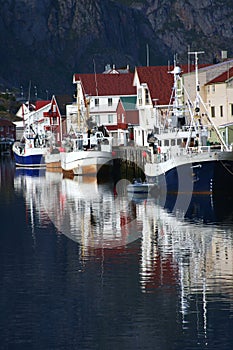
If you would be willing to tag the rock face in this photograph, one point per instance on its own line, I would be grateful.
(46, 41)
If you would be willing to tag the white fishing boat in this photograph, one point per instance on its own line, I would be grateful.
(79, 158)
(53, 159)
(88, 148)
(181, 158)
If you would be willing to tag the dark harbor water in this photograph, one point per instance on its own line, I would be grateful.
(84, 266)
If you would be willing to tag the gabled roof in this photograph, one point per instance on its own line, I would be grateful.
(160, 81)
(129, 102)
(40, 104)
(62, 101)
(5, 122)
(106, 84)
(222, 78)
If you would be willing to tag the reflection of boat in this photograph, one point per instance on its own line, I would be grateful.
(32, 172)
(182, 157)
(200, 208)
(180, 247)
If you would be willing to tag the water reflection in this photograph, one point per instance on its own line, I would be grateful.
(184, 248)
(86, 212)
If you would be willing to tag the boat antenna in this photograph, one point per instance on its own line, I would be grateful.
(29, 94)
(196, 53)
(96, 88)
(147, 56)
(78, 105)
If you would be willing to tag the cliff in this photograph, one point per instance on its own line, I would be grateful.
(46, 41)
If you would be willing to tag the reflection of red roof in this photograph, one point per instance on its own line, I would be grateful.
(107, 84)
(222, 77)
(163, 273)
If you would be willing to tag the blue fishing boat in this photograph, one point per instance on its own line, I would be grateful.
(182, 158)
(29, 152)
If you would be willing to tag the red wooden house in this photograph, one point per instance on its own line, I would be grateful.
(7, 130)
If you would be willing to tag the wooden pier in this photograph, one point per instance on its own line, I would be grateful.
(129, 161)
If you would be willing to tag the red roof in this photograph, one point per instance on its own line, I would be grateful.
(40, 104)
(222, 78)
(5, 122)
(107, 84)
(160, 81)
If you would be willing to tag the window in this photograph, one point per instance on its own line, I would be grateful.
(110, 102)
(212, 111)
(231, 109)
(54, 121)
(97, 102)
(173, 142)
(179, 141)
(147, 100)
(166, 142)
(213, 88)
(221, 111)
(54, 108)
(97, 119)
(140, 97)
(110, 118)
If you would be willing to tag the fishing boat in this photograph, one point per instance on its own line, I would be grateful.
(88, 148)
(139, 187)
(181, 157)
(86, 154)
(29, 152)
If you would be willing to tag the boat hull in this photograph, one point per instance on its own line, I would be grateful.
(204, 174)
(31, 157)
(85, 162)
(53, 161)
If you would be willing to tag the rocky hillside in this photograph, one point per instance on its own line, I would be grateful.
(46, 41)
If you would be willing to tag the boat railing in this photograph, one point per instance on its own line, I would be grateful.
(79, 144)
(171, 152)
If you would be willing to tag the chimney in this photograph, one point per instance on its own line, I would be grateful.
(223, 55)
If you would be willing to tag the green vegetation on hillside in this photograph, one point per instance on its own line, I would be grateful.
(8, 106)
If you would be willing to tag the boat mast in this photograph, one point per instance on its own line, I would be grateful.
(78, 105)
(199, 99)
